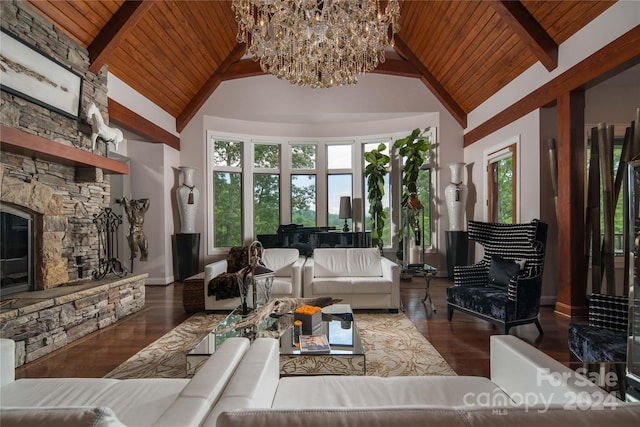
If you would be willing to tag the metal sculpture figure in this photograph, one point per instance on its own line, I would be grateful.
(135, 210)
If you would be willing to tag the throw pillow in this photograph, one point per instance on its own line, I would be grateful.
(501, 271)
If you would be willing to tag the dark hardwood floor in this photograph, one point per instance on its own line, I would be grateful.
(463, 342)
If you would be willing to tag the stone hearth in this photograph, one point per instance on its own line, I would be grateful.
(43, 321)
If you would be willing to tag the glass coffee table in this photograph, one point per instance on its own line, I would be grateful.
(345, 356)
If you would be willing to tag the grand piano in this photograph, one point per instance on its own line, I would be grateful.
(306, 239)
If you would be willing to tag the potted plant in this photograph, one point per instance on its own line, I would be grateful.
(413, 148)
(375, 173)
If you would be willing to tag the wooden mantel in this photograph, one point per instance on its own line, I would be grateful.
(20, 142)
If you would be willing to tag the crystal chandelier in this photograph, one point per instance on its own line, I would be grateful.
(317, 43)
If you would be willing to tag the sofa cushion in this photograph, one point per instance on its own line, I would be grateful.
(30, 392)
(351, 285)
(501, 271)
(281, 286)
(280, 260)
(334, 262)
(594, 345)
(78, 416)
(345, 417)
(340, 392)
(486, 300)
(141, 402)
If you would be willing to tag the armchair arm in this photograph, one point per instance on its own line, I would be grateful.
(307, 278)
(214, 269)
(525, 292)
(470, 275)
(7, 361)
(391, 271)
(296, 279)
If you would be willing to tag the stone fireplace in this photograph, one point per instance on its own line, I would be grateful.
(50, 171)
(62, 195)
(49, 227)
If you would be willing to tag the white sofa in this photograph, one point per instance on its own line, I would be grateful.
(359, 276)
(240, 386)
(285, 262)
(74, 402)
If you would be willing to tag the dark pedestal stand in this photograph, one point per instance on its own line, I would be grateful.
(187, 254)
(457, 250)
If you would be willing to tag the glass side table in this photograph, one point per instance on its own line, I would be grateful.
(427, 271)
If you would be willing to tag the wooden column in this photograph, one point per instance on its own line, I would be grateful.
(572, 278)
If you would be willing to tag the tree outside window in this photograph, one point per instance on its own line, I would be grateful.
(501, 185)
(227, 186)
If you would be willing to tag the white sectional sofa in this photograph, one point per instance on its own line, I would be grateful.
(285, 262)
(360, 277)
(240, 386)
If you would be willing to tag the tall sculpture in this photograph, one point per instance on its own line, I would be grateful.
(188, 197)
(456, 197)
(135, 210)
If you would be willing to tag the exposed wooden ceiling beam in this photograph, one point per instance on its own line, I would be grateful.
(115, 31)
(135, 123)
(241, 69)
(397, 67)
(431, 82)
(209, 87)
(521, 22)
(618, 55)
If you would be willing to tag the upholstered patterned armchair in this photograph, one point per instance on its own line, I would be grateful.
(604, 338)
(504, 287)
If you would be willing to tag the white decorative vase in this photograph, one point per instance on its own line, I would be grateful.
(456, 197)
(188, 197)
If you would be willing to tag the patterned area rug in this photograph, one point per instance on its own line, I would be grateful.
(393, 347)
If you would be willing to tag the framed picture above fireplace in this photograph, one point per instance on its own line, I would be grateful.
(32, 75)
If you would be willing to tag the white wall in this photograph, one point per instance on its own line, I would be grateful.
(266, 106)
(151, 177)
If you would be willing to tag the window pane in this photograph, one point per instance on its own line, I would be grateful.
(226, 153)
(266, 204)
(303, 200)
(266, 156)
(339, 156)
(227, 219)
(303, 156)
(338, 185)
(502, 196)
(424, 195)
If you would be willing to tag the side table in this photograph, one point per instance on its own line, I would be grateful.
(193, 293)
(427, 271)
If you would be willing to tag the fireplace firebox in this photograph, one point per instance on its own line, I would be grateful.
(16, 251)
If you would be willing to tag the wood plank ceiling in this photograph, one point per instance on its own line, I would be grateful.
(176, 53)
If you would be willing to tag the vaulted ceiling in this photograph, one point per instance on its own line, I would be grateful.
(176, 53)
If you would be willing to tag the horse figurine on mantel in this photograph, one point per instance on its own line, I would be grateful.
(100, 130)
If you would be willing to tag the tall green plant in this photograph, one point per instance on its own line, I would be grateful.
(375, 172)
(414, 148)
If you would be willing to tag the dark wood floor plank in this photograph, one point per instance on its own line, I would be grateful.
(463, 342)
